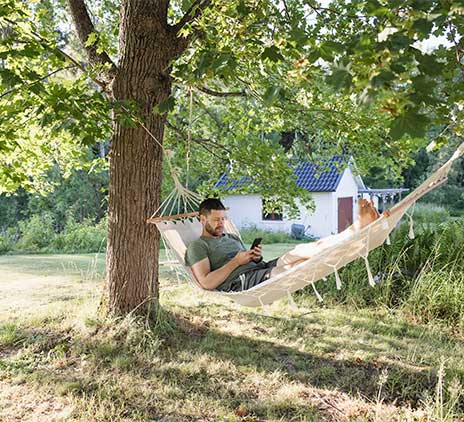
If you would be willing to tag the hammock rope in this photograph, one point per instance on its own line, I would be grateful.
(189, 137)
(319, 297)
(291, 301)
(411, 222)
(338, 281)
(388, 241)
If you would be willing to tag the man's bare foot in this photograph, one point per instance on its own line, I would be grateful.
(367, 213)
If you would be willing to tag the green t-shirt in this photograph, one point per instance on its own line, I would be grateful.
(219, 250)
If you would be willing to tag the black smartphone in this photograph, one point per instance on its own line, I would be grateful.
(256, 242)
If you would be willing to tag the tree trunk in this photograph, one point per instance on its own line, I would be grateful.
(145, 52)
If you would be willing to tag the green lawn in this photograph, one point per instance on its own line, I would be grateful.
(209, 359)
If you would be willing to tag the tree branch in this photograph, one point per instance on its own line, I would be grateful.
(84, 28)
(193, 12)
(286, 10)
(221, 94)
(199, 141)
(216, 119)
(16, 88)
(56, 50)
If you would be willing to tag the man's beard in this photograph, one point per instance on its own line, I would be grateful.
(211, 230)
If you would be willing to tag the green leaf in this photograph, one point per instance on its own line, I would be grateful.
(397, 68)
(271, 94)
(204, 63)
(383, 78)
(374, 8)
(423, 84)
(332, 46)
(167, 105)
(428, 65)
(423, 5)
(91, 40)
(299, 35)
(272, 53)
(423, 26)
(340, 79)
(9, 78)
(329, 49)
(242, 9)
(399, 41)
(37, 88)
(221, 61)
(410, 123)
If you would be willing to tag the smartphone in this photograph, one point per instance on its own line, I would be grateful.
(256, 242)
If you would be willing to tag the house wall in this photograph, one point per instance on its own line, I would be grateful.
(321, 221)
(246, 210)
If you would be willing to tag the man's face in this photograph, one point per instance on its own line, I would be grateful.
(214, 222)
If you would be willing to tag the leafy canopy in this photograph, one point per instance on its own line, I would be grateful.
(346, 77)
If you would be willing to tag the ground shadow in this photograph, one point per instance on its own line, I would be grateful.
(179, 333)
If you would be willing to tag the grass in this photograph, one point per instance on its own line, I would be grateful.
(248, 234)
(212, 360)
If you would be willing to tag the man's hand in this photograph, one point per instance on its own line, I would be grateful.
(257, 253)
(244, 257)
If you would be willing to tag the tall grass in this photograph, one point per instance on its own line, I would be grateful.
(438, 295)
(424, 276)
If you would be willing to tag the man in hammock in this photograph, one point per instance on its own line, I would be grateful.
(221, 261)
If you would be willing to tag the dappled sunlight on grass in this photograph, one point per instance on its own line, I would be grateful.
(207, 358)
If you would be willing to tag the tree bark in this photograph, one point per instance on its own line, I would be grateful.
(147, 46)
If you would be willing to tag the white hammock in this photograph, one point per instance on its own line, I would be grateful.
(339, 250)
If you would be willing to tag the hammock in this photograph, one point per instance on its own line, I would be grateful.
(179, 230)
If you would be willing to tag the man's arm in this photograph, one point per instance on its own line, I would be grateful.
(209, 280)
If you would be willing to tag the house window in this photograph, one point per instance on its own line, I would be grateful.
(276, 215)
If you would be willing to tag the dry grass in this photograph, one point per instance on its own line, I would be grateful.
(211, 361)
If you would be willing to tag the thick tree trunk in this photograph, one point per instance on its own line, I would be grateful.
(136, 158)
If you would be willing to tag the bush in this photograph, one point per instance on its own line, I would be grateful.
(8, 239)
(5, 244)
(81, 237)
(250, 233)
(36, 234)
(429, 215)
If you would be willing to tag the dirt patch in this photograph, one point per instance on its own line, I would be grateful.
(19, 402)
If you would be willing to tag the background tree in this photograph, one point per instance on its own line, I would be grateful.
(355, 67)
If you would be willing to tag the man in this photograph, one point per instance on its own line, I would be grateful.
(220, 260)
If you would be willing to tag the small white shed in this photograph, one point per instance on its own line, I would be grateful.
(335, 195)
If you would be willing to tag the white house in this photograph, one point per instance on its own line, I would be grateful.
(335, 193)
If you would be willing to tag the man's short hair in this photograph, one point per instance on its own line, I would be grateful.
(210, 204)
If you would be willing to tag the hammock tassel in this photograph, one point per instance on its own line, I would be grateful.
(388, 241)
(319, 297)
(411, 223)
(369, 272)
(264, 307)
(291, 301)
(411, 228)
(338, 281)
